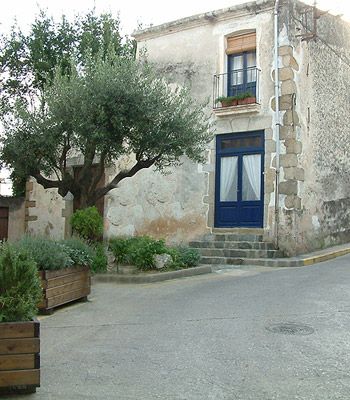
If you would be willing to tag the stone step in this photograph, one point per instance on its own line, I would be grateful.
(231, 245)
(240, 253)
(221, 260)
(233, 237)
(251, 231)
(265, 262)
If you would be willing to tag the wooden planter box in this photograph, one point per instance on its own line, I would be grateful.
(19, 357)
(63, 286)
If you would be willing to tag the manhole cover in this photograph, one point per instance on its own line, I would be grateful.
(290, 328)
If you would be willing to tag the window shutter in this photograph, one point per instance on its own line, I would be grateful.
(238, 44)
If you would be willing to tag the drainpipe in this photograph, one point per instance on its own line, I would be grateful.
(277, 123)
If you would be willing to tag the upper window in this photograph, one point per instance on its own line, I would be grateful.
(241, 65)
(239, 85)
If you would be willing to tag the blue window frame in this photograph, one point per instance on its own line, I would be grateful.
(242, 73)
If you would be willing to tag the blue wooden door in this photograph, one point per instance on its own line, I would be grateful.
(239, 184)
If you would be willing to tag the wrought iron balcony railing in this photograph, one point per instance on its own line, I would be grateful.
(236, 88)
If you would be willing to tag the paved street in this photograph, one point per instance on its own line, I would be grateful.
(209, 337)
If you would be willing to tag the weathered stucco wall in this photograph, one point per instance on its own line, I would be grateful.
(180, 206)
(319, 128)
(168, 206)
(44, 211)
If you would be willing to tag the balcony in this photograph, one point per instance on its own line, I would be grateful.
(236, 91)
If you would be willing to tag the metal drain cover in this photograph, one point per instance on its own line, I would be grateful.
(290, 328)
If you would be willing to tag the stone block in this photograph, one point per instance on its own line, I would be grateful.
(269, 184)
(289, 187)
(288, 87)
(30, 203)
(288, 160)
(285, 51)
(285, 102)
(29, 186)
(287, 132)
(270, 146)
(286, 73)
(291, 117)
(31, 218)
(294, 173)
(293, 201)
(268, 133)
(290, 61)
(293, 146)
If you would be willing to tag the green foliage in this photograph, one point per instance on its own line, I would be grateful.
(99, 261)
(184, 257)
(240, 96)
(87, 223)
(79, 251)
(95, 113)
(18, 184)
(20, 289)
(28, 61)
(47, 254)
(140, 251)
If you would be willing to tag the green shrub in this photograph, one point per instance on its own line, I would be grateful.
(46, 253)
(185, 257)
(78, 251)
(138, 251)
(99, 260)
(87, 223)
(20, 289)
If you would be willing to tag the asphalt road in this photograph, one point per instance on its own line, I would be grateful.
(209, 337)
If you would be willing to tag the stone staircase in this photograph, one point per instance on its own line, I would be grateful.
(243, 247)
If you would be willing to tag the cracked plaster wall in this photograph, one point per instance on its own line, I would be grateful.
(180, 206)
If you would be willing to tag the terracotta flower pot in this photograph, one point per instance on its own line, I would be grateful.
(247, 100)
(229, 103)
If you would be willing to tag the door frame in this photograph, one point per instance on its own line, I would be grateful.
(240, 152)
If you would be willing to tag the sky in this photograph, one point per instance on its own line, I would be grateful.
(132, 13)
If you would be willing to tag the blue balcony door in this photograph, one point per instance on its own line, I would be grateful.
(241, 73)
(239, 184)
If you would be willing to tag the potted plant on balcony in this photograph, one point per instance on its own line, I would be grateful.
(246, 98)
(63, 268)
(20, 293)
(227, 101)
(239, 99)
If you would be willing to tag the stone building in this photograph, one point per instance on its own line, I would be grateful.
(280, 168)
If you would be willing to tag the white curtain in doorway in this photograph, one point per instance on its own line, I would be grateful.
(228, 179)
(251, 177)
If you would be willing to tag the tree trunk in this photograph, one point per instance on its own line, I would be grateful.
(84, 199)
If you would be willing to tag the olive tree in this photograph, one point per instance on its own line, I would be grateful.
(107, 108)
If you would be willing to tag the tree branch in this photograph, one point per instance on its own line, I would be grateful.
(46, 183)
(125, 174)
